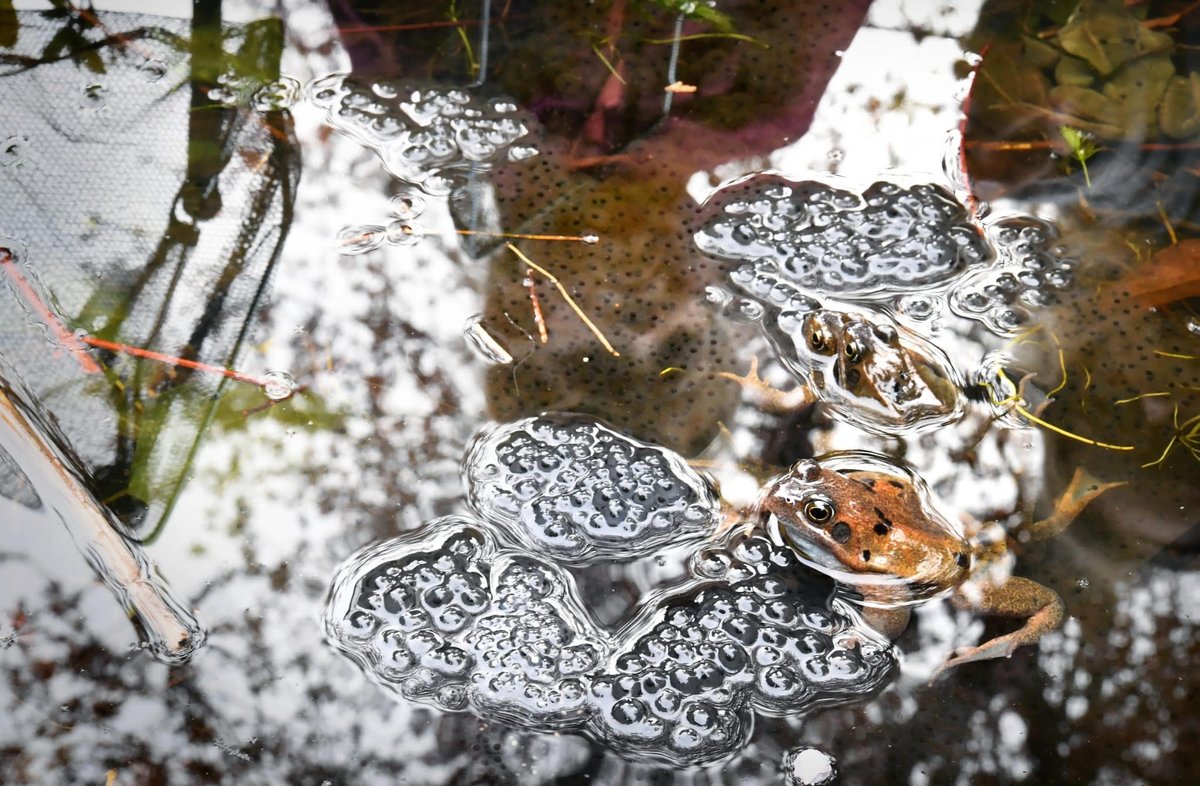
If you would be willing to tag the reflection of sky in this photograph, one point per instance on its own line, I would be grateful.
(272, 509)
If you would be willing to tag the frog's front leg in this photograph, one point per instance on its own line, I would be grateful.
(769, 399)
(1039, 606)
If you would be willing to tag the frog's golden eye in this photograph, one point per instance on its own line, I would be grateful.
(817, 341)
(818, 511)
(854, 352)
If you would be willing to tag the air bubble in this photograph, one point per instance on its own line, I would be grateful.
(152, 70)
(354, 240)
(401, 233)
(407, 206)
(12, 150)
(809, 767)
(278, 385)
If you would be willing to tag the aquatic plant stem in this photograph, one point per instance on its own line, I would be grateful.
(673, 64)
(65, 338)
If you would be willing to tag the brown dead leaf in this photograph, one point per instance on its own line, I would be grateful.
(1172, 274)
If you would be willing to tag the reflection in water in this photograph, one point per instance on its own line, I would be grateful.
(146, 215)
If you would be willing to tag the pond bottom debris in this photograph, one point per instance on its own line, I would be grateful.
(450, 616)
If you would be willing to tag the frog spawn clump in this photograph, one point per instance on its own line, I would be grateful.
(446, 619)
(450, 618)
(809, 236)
(1028, 274)
(455, 616)
(685, 679)
(578, 491)
(428, 136)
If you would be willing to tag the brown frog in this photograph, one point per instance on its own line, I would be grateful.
(867, 370)
(870, 524)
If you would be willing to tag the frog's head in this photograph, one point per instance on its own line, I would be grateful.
(867, 368)
(867, 521)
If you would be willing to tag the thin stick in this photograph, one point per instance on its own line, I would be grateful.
(1142, 396)
(673, 63)
(1014, 401)
(701, 36)
(538, 319)
(170, 360)
(589, 239)
(64, 337)
(566, 296)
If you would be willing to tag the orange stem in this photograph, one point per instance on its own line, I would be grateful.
(64, 337)
(172, 360)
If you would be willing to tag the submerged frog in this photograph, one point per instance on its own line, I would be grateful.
(870, 524)
(870, 372)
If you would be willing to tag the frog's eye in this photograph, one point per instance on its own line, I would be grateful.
(887, 334)
(818, 341)
(818, 511)
(854, 352)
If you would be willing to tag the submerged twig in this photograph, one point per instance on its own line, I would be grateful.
(566, 296)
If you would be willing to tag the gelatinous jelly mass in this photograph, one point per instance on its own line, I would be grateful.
(760, 636)
(577, 491)
(441, 616)
(425, 135)
(1028, 274)
(445, 617)
(814, 237)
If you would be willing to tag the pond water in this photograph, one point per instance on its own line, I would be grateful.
(380, 392)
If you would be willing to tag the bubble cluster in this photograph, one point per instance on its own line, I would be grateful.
(455, 616)
(578, 491)
(425, 135)
(810, 236)
(1027, 274)
(682, 686)
(445, 619)
(276, 95)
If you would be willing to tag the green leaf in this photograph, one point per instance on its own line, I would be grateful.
(1082, 148)
(1107, 35)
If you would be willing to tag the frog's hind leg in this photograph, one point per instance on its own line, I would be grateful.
(1083, 488)
(1040, 606)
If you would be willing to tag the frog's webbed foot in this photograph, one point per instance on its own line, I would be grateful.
(1083, 488)
(770, 399)
(1040, 606)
